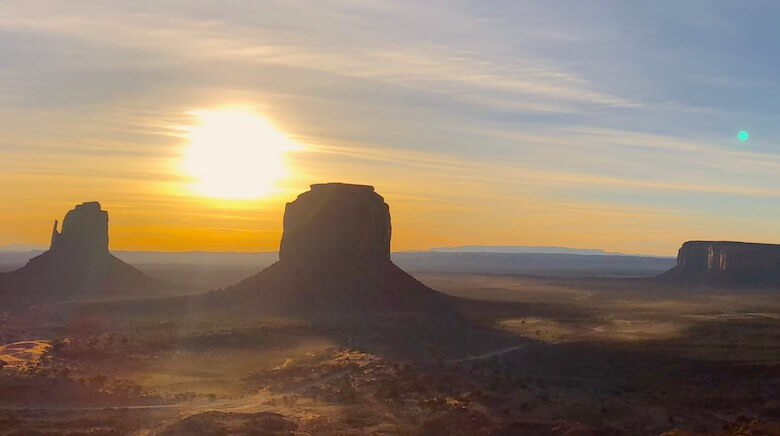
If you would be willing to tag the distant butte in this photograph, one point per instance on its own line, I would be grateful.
(84, 231)
(335, 262)
(336, 222)
(725, 263)
(78, 265)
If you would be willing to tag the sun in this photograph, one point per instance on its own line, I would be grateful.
(235, 153)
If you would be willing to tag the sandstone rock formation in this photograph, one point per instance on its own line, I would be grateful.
(335, 262)
(84, 230)
(336, 222)
(727, 263)
(78, 265)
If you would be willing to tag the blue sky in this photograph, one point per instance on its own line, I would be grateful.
(603, 124)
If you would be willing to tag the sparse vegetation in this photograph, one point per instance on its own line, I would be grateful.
(325, 380)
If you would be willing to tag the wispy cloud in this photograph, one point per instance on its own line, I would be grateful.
(401, 61)
(599, 109)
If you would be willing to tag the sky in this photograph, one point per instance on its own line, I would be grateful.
(599, 124)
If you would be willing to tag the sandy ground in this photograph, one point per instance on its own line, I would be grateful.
(611, 356)
(17, 354)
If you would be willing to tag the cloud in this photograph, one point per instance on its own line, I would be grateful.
(163, 37)
(598, 108)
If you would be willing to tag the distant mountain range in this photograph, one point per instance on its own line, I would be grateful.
(14, 254)
(516, 249)
(205, 270)
(17, 248)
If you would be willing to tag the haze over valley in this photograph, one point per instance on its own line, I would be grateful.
(332, 336)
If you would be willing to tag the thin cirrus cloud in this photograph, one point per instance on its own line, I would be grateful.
(532, 110)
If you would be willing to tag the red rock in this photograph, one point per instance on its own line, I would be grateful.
(84, 229)
(728, 263)
(77, 266)
(336, 222)
(335, 262)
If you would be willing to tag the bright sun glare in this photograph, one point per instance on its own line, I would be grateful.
(235, 153)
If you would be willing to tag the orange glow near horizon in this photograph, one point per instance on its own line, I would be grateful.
(219, 178)
(234, 153)
(194, 126)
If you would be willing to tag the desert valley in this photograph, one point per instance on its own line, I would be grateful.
(334, 337)
(368, 217)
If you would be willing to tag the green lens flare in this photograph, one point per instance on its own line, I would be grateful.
(743, 136)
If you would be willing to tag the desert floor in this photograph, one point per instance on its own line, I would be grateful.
(576, 356)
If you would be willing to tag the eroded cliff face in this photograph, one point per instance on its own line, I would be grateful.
(728, 262)
(728, 256)
(84, 231)
(336, 222)
(78, 265)
(334, 263)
